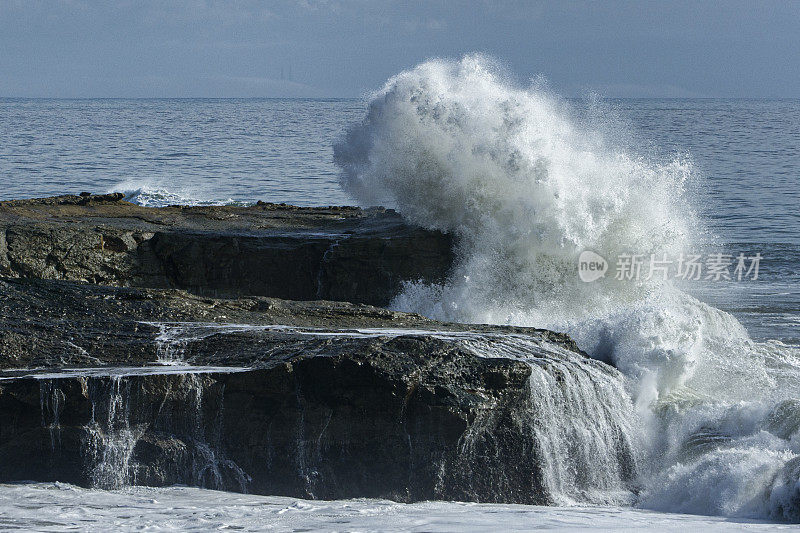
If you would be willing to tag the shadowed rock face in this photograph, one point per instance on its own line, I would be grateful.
(333, 253)
(387, 418)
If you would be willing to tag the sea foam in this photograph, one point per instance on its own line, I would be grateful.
(526, 183)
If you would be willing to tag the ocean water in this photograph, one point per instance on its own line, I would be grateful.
(747, 166)
(527, 181)
(175, 151)
(62, 507)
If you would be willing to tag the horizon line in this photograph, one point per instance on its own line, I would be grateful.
(356, 98)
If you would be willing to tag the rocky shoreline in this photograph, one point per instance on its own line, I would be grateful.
(278, 250)
(233, 348)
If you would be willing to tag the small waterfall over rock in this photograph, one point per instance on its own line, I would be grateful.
(170, 346)
(173, 338)
(51, 402)
(581, 420)
(144, 427)
(110, 436)
(209, 465)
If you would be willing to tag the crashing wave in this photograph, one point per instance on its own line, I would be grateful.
(527, 184)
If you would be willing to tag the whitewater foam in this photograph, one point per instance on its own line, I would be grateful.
(59, 507)
(527, 184)
(152, 194)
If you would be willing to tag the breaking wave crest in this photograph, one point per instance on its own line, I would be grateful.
(527, 183)
(149, 195)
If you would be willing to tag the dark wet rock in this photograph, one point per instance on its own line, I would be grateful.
(52, 324)
(391, 418)
(277, 250)
(293, 411)
(784, 419)
(785, 495)
(319, 399)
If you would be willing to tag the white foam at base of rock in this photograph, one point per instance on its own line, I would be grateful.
(58, 507)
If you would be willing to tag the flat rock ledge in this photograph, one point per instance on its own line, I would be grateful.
(277, 250)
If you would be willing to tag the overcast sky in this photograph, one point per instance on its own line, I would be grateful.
(341, 48)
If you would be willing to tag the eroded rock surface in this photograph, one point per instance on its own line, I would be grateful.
(108, 386)
(208, 378)
(333, 253)
(55, 324)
